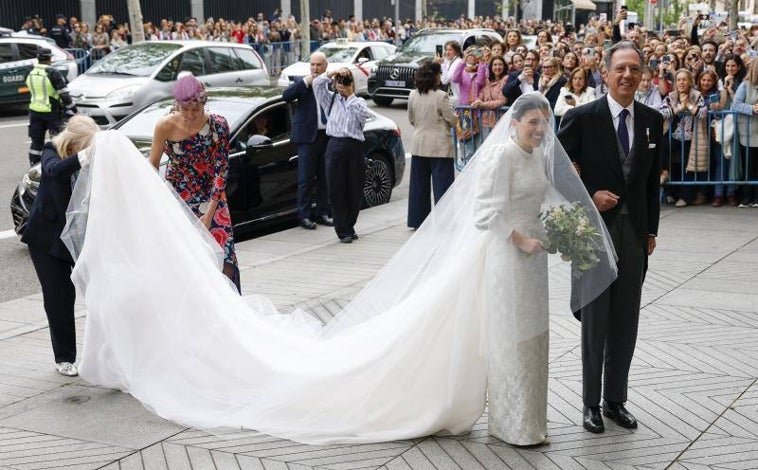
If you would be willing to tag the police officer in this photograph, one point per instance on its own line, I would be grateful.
(50, 101)
(60, 33)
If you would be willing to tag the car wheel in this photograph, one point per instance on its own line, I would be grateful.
(382, 100)
(377, 187)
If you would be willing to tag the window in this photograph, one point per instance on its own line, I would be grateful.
(470, 41)
(273, 122)
(6, 53)
(193, 61)
(380, 52)
(27, 51)
(248, 59)
(222, 59)
(364, 54)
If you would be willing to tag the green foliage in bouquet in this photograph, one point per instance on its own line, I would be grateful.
(569, 233)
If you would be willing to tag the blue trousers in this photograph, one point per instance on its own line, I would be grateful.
(427, 174)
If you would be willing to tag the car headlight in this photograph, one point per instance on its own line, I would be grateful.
(374, 69)
(30, 181)
(123, 94)
(284, 76)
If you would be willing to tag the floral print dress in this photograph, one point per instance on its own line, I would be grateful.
(197, 169)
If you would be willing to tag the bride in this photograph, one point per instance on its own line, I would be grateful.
(460, 310)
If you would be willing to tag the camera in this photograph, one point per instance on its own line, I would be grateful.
(344, 80)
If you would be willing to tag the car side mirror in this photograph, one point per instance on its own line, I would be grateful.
(363, 60)
(256, 143)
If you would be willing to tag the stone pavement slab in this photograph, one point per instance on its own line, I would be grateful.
(693, 385)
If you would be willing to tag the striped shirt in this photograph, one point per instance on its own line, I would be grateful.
(347, 116)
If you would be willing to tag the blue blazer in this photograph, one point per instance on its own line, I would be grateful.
(48, 215)
(305, 121)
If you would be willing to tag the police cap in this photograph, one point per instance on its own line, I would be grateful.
(44, 54)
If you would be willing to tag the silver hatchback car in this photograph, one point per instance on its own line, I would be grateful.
(139, 74)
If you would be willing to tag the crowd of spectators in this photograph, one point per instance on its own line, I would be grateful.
(689, 72)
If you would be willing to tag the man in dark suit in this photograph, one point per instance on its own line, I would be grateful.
(616, 143)
(525, 80)
(309, 132)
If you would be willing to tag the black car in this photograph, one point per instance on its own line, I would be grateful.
(392, 77)
(262, 173)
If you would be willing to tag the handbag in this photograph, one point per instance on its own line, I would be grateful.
(468, 122)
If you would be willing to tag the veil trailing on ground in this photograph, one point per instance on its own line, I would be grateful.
(406, 357)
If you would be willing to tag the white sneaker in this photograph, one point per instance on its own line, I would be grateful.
(681, 203)
(744, 205)
(67, 369)
(755, 204)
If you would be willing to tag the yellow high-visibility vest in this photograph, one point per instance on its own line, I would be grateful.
(41, 89)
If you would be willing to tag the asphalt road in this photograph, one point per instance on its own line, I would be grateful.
(17, 277)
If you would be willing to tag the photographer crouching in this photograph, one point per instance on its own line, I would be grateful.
(345, 164)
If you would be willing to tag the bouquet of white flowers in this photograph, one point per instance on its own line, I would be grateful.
(569, 233)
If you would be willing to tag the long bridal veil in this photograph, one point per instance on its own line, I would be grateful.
(405, 358)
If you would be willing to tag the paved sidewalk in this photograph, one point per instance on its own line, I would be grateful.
(693, 384)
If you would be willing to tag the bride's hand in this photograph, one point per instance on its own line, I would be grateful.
(528, 245)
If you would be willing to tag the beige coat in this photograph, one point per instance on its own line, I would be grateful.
(432, 117)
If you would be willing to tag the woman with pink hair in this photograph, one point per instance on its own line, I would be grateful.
(197, 145)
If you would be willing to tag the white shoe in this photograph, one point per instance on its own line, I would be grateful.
(754, 205)
(67, 369)
(681, 203)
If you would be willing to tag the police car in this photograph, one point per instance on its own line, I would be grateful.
(358, 57)
(18, 56)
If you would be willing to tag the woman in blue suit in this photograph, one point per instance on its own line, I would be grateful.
(61, 160)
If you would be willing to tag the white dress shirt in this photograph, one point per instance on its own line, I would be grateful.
(616, 108)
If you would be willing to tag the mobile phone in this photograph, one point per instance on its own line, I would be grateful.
(603, 16)
(653, 64)
(733, 35)
(438, 47)
(714, 98)
(588, 51)
(624, 7)
(753, 54)
(666, 59)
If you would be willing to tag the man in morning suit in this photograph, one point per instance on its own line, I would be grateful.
(616, 143)
(309, 132)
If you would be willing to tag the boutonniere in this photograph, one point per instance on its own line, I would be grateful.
(647, 134)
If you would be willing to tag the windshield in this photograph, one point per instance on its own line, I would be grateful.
(427, 43)
(142, 125)
(337, 54)
(139, 60)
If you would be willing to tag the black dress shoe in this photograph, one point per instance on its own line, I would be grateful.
(593, 422)
(347, 239)
(325, 220)
(307, 223)
(354, 236)
(619, 414)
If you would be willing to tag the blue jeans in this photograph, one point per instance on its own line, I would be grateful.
(720, 171)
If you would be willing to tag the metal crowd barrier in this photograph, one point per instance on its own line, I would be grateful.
(727, 159)
(82, 58)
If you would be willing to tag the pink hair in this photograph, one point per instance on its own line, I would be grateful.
(189, 89)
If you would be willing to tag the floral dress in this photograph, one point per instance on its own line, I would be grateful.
(197, 170)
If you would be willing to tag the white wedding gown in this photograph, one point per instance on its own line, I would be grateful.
(510, 194)
(406, 358)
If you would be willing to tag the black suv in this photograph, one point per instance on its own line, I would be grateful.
(392, 77)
